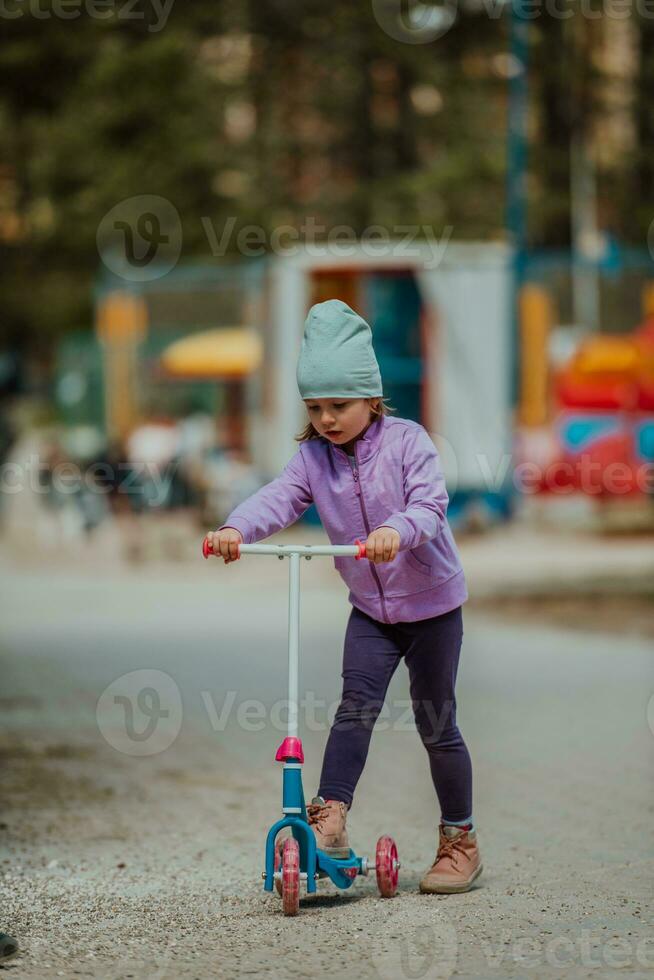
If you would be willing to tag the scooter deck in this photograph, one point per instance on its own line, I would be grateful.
(342, 871)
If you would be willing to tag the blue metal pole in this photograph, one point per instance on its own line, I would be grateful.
(516, 188)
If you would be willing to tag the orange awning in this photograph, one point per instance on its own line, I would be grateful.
(222, 354)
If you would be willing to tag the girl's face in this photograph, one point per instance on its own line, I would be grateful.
(339, 419)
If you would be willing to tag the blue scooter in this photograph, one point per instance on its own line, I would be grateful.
(299, 859)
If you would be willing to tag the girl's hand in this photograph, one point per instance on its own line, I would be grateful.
(225, 543)
(382, 544)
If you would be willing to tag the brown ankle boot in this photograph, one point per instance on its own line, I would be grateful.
(327, 819)
(457, 863)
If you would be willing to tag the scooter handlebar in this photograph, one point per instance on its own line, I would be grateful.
(356, 550)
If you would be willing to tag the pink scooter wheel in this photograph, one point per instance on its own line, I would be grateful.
(278, 865)
(291, 876)
(387, 866)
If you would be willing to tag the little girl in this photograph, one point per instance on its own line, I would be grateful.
(377, 478)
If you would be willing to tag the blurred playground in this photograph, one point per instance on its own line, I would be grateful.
(489, 217)
(181, 400)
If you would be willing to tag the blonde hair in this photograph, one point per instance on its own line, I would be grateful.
(376, 412)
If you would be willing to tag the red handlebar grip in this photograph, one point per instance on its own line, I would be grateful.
(208, 550)
(362, 550)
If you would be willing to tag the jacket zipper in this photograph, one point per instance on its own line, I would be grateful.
(359, 493)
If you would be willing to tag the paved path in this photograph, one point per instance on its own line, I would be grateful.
(119, 865)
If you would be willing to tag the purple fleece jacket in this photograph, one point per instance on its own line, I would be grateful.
(398, 482)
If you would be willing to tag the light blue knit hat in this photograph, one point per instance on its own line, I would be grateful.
(337, 359)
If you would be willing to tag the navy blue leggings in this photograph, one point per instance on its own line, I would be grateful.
(372, 652)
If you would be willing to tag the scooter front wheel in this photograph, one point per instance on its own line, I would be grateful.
(278, 865)
(291, 876)
(387, 866)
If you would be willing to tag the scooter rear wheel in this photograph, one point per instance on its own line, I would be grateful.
(291, 876)
(387, 866)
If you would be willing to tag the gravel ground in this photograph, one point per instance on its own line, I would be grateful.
(120, 865)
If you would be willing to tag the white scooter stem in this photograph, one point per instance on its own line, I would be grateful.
(293, 642)
(294, 552)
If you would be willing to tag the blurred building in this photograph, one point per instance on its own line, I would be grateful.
(225, 339)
